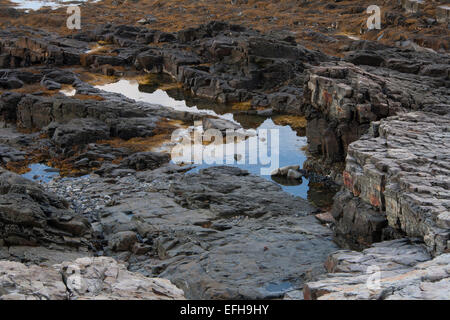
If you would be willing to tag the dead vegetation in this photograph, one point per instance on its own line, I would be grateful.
(303, 19)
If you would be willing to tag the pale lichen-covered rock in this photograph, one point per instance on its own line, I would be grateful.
(392, 270)
(400, 172)
(100, 278)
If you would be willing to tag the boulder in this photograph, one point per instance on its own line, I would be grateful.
(283, 171)
(220, 124)
(123, 241)
(78, 132)
(145, 160)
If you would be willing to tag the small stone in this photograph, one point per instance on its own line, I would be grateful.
(294, 174)
(325, 217)
(123, 241)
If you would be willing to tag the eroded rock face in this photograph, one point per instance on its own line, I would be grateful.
(341, 99)
(398, 175)
(30, 216)
(87, 278)
(38, 47)
(219, 233)
(391, 270)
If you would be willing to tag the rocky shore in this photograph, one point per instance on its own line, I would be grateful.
(123, 222)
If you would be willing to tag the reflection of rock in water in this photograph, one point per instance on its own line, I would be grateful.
(148, 88)
(155, 81)
(321, 193)
(201, 103)
(247, 121)
(286, 181)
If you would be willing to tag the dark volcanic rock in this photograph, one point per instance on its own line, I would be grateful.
(223, 62)
(38, 47)
(78, 132)
(220, 233)
(145, 160)
(29, 216)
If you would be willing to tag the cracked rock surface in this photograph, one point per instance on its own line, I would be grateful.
(398, 175)
(391, 270)
(86, 278)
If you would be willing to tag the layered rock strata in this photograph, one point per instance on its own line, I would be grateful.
(391, 270)
(397, 179)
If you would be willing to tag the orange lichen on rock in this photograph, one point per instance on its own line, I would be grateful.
(304, 19)
(242, 106)
(295, 122)
(88, 97)
(348, 180)
(19, 167)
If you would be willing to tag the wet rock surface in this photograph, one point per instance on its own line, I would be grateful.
(202, 231)
(390, 270)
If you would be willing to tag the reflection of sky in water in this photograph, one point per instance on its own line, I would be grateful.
(290, 144)
(68, 92)
(36, 5)
(130, 89)
(40, 172)
(288, 153)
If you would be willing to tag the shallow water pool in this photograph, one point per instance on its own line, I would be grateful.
(291, 144)
(41, 173)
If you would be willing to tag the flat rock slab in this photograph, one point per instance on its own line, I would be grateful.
(219, 233)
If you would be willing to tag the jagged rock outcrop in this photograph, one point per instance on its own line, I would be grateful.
(398, 176)
(219, 233)
(341, 99)
(224, 62)
(391, 270)
(219, 61)
(24, 47)
(31, 217)
(100, 278)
